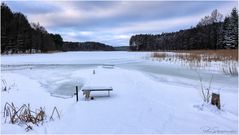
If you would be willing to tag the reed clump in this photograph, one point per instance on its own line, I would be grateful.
(226, 59)
(24, 115)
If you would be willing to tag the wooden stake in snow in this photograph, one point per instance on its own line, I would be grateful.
(76, 93)
(216, 100)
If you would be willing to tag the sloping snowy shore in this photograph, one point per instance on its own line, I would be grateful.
(146, 97)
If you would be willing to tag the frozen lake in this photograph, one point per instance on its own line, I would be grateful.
(56, 71)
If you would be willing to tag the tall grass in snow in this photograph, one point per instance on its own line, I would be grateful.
(206, 92)
(224, 60)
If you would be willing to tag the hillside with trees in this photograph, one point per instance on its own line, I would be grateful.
(86, 46)
(20, 36)
(210, 33)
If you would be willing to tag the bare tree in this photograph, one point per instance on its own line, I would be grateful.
(215, 17)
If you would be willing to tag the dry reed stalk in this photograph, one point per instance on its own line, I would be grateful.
(205, 92)
(53, 111)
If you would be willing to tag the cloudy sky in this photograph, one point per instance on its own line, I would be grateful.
(113, 22)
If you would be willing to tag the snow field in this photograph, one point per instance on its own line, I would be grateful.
(143, 100)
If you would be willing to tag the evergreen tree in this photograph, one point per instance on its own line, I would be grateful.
(230, 30)
(58, 41)
(234, 21)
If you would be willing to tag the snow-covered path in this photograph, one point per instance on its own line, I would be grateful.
(139, 103)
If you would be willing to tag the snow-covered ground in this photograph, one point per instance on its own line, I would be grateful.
(148, 96)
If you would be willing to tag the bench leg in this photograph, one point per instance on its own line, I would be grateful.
(87, 95)
(108, 93)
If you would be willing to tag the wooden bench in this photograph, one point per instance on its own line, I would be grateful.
(87, 90)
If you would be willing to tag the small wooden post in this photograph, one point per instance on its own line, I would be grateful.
(76, 93)
(216, 100)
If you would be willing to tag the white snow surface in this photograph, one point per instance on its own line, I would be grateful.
(147, 97)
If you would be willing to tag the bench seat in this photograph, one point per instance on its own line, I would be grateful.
(97, 89)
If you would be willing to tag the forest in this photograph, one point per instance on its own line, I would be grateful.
(20, 36)
(86, 46)
(212, 32)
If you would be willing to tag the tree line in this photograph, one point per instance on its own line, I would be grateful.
(20, 36)
(212, 32)
(86, 46)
